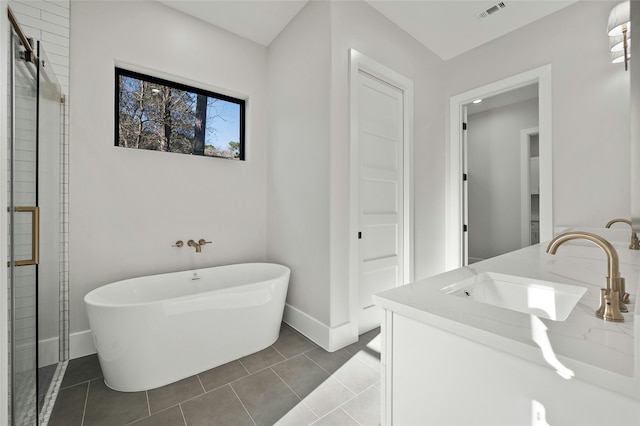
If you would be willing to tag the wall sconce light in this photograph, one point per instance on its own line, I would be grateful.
(619, 31)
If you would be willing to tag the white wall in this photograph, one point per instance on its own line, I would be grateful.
(494, 168)
(590, 106)
(357, 25)
(309, 150)
(299, 167)
(129, 206)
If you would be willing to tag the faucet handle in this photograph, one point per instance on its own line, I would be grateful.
(178, 243)
(203, 242)
(609, 309)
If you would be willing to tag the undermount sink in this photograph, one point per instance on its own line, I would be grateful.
(544, 299)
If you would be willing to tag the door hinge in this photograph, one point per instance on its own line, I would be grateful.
(464, 126)
(464, 176)
(359, 235)
(464, 228)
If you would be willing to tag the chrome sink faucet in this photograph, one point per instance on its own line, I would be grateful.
(611, 297)
(635, 242)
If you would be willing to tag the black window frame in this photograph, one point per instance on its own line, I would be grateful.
(180, 86)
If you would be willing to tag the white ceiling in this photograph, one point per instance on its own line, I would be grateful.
(504, 99)
(446, 27)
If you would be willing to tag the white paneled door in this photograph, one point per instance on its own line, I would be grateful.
(381, 147)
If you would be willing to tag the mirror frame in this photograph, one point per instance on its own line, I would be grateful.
(634, 148)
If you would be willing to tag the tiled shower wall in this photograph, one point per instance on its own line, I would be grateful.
(48, 21)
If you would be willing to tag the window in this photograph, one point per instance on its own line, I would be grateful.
(160, 115)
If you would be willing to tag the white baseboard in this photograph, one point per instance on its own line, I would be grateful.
(48, 351)
(329, 338)
(81, 344)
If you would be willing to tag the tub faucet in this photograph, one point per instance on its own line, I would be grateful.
(611, 297)
(635, 242)
(192, 243)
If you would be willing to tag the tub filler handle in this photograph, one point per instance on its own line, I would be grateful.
(178, 243)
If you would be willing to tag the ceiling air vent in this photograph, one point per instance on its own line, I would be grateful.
(491, 10)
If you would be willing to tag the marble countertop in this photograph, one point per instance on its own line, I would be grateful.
(582, 346)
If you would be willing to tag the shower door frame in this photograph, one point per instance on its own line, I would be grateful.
(15, 40)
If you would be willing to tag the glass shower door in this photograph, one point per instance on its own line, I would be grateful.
(23, 235)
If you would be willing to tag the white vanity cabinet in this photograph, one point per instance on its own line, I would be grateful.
(451, 361)
(436, 377)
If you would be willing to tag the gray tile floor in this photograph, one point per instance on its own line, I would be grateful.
(293, 382)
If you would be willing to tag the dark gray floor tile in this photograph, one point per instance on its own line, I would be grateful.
(291, 343)
(69, 407)
(301, 374)
(261, 360)
(218, 407)
(81, 370)
(330, 361)
(363, 341)
(336, 418)
(174, 393)
(222, 375)
(365, 408)
(108, 407)
(169, 417)
(265, 396)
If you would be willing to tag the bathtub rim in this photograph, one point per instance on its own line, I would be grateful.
(285, 269)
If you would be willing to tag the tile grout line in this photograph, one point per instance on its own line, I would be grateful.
(286, 384)
(243, 366)
(355, 396)
(80, 383)
(86, 400)
(349, 414)
(158, 412)
(146, 393)
(322, 368)
(243, 406)
(344, 384)
(264, 368)
(330, 377)
(184, 419)
(201, 385)
(279, 353)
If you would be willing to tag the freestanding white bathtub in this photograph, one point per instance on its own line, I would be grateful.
(155, 330)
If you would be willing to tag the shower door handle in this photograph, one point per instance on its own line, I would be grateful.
(35, 235)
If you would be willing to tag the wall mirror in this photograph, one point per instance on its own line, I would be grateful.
(501, 157)
(507, 169)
